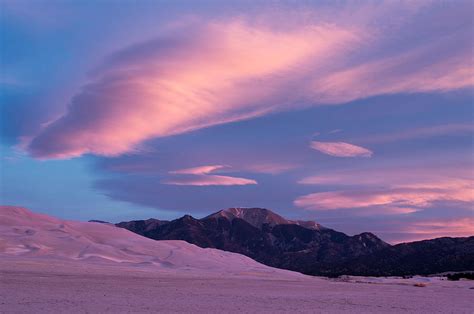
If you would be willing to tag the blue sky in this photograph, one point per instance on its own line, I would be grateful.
(358, 115)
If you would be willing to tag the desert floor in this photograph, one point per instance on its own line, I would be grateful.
(42, 286)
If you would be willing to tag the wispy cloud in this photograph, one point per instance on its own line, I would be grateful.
(426, 173)
(201, 176)
(463, 225)
(198, 170)
(213, 72)
(391, 191)
(406, 199)
(341, 149)
(418, 133)
(435, 228)
(194, 79)
(269, 167)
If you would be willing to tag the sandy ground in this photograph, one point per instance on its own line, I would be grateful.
(48, 265)
(29, 235)
(48, 286)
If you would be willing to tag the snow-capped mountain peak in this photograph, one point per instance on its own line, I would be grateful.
(260, 216)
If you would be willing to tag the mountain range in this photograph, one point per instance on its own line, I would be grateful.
(308, 247)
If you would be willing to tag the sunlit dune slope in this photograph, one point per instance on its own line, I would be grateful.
(30, 235)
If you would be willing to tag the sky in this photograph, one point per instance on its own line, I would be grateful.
(358, 115)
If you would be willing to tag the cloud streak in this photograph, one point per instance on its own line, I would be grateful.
(201, 176)
(456, 227)
(391, 191)
(213, 72)
(341, 149)
(420, 133)
(198, 170)
(435, 228)
(406, 200)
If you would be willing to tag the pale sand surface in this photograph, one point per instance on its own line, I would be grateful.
(32, 236)
(48, 265)
(53, 286)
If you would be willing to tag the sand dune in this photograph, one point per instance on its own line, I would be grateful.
(48, 265)
(27, 234)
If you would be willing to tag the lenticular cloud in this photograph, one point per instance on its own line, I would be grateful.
(201, 176)
(341, 149)
(218, 72)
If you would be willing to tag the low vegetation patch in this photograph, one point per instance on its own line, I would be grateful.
(457, 276)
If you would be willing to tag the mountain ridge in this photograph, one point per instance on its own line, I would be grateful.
(259, 216)
(278, 242)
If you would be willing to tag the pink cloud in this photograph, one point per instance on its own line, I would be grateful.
(426, 132)
(341, 149)
(209, 73)
(364, 80)
(205, 180)
(391, 191)
(202, 79)
(198, 170)
(200, 176)
(425, 173)
(397, 200)
(435, 228)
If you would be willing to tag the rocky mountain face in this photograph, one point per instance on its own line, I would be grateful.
(421, 257)
(142, 226)
(308, 247)
(257, 217)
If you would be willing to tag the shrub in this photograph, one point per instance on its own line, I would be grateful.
(458, 276)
